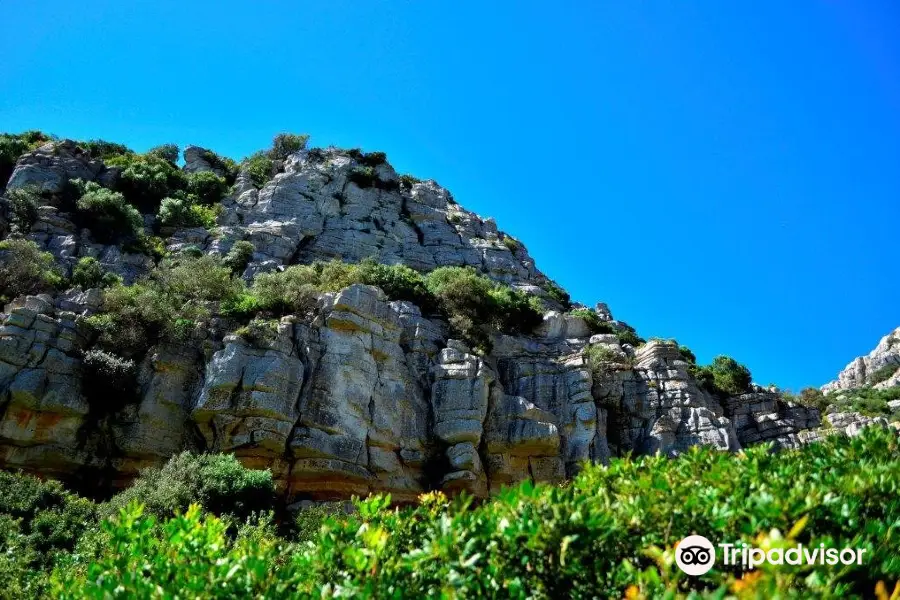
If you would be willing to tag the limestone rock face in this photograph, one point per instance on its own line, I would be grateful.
(657, 407)
(883, 359)
(363, 394)
(52, 165)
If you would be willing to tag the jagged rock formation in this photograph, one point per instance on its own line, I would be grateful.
(879, 369)
(366, 394)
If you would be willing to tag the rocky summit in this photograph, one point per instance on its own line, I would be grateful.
(339, 390)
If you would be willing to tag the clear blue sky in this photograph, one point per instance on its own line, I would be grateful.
(725, 173)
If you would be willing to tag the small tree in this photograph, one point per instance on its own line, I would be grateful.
(285, 144)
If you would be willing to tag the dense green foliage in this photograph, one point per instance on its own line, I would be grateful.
(184, 212)
(167, 152)
(285, 144)
(25, 269)
(725, 376)
(218, 483)
(165, 304)
(471, 302)
(106, 213)
(222, 163)
(207, 187)
(558, 294)
(260, 168)
(23, 207)
(147, 178)
(611, 532)
(239, 256)
(104, 150)
(88, 273)
(867, 401)
(40, 523)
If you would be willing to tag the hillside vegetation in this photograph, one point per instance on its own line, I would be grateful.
(204, 527)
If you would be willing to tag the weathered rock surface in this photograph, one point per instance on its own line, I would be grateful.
(859, 373)
(366, 394)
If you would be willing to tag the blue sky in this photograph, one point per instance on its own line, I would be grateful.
(724, 173)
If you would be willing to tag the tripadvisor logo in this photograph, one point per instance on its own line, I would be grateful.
(695, 555)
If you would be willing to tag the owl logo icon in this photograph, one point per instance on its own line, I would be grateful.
(695, 555)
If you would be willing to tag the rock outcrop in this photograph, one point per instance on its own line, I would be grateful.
(879, 369)
(364, 394)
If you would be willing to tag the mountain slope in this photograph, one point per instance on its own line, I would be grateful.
(129, 340)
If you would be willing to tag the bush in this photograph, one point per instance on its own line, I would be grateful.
(239, 256)
(182, 212)
(399, 282)
(408, 181)
(108, 382)
(147, 178)
(104, 150)
(260, 168)
(285, 144)
(687, 355)
(23, 207)
(107, 214)
(134, 317)
(364, 177)
(511, 244)
(223, 164)
(89, 273)
(293, 290)
(628, 336)
(167, 152)
(867, 401)
(218, 483)
(725, 377)
(24, 269)
(207, 187)
(40, 523)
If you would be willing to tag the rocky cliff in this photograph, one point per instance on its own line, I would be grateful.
(362, 393)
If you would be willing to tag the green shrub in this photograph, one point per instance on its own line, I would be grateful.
(24, 269)
(628, 336)
(260, 168)
(223, 164)
(511, 244)
(285, 144)
(108, 382)
(294, 290)
(883, 374)
(725, 376)
(408, 181)
(107, 214)
(364, 177)
(89, 273)
(207, 187)
(239, 256)
(104, 150)
(183, 212)
(23, 207)
(147, 178)
(594, 323)
(40, 523)
(218, 483)
(399, 282)
(177, 291)
(687, 354)
(167, 152)
(259, 332)
(867, 401)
